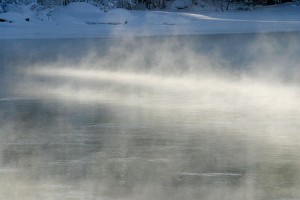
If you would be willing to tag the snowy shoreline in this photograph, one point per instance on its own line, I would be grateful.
(82, 20)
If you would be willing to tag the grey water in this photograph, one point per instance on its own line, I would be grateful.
(181, 117)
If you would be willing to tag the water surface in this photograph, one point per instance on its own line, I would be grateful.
(187, 117)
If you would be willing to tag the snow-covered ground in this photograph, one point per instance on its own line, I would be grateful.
(79, 20)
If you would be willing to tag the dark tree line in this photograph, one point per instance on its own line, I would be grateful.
(220, 5)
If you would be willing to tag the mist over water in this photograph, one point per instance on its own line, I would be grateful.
(187, 117)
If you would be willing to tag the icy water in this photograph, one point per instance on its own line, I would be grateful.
(187, 117)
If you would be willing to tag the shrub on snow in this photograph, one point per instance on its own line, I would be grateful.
(181, 4)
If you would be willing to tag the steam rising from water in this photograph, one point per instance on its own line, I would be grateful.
(157, 120)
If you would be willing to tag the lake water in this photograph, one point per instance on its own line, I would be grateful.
(187, 117)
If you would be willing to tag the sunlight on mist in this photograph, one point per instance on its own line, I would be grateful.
(252, 100)
(179, 124)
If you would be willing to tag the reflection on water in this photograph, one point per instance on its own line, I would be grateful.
(80, 131)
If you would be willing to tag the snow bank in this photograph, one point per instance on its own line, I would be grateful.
(25, 15)
(116, 16)
(15, 17)
(84, 13)
(76, 13)
(18, 14)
